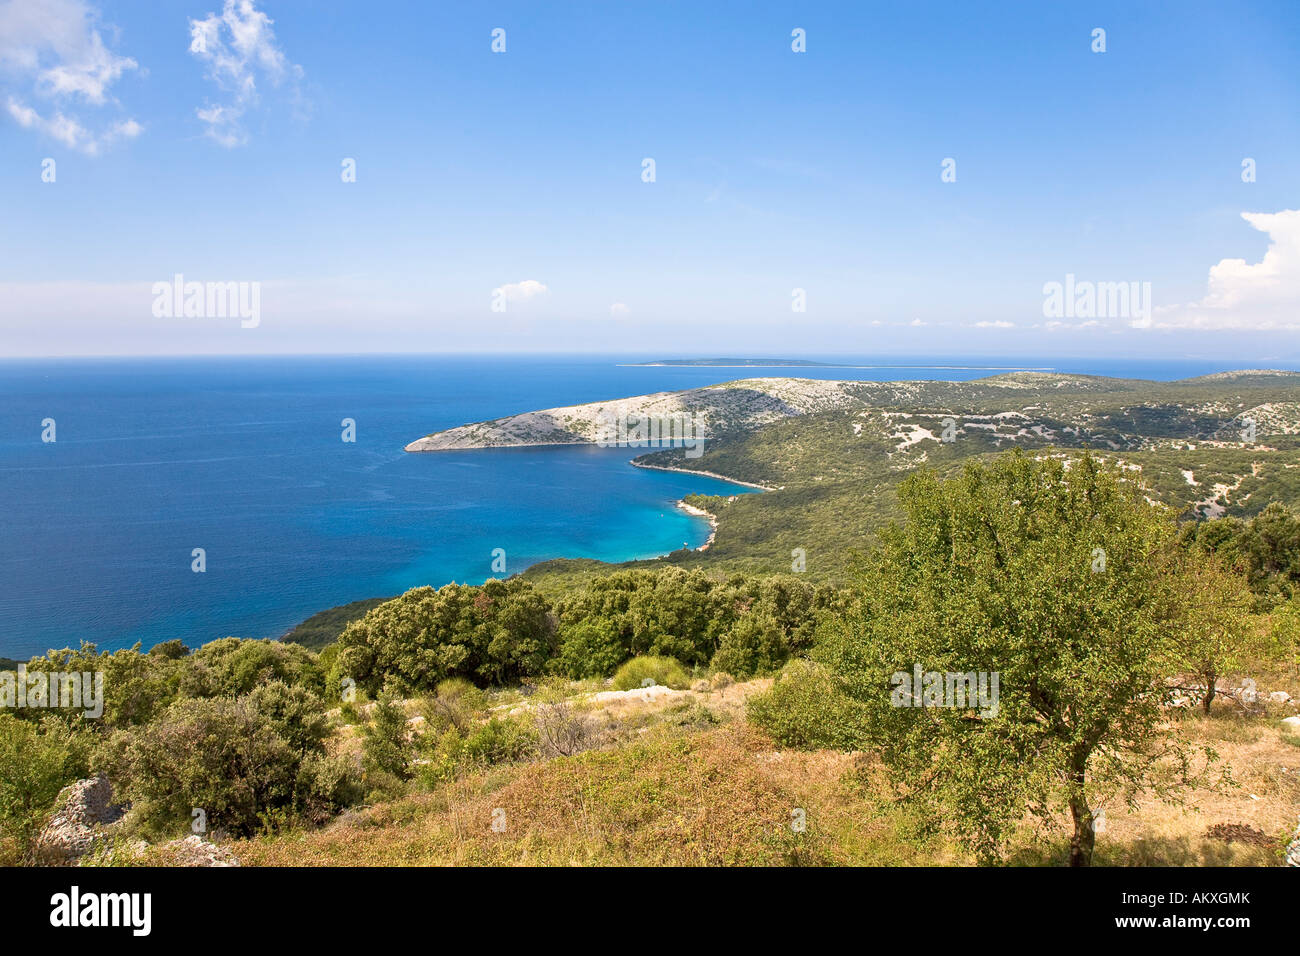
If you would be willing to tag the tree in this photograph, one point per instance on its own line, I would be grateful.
(387, 748)
(1284, 632)
(1267, 546)
(1056, 580)
(1216, 628)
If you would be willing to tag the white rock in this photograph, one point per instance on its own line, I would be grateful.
(1291, 724)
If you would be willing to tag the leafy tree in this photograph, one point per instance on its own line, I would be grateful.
(1267, 546)
(137, 686)
(295, 713)
(1284, 632)
(1216, 631)
(219, 755)
(754, 645)
(233, 666)
(997, 571)
(172, 650)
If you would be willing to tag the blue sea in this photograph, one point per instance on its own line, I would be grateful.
(243, 457)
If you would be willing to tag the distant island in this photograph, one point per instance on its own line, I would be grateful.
(1012, 407)
(739, 363)
(805, 363)
(1225, 443)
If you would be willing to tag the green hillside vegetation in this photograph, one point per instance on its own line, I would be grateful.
(837, 473)
(324, 627)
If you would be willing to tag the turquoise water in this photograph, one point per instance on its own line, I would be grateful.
(244, 459)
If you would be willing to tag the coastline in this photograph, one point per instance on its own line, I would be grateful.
(707, 474)
(536, 444)
(701, 513)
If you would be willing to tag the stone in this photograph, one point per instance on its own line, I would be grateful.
(196, 851)
(81, 809)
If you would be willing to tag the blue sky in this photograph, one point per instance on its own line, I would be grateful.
(774, 171)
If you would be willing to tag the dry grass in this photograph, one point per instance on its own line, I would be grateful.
(678, 790)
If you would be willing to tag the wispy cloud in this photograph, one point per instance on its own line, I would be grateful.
(1264, 296)
(238, 48)
(53, 51)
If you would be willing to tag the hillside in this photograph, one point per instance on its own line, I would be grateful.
(836, 470)
(1012, 406)
(682, 779)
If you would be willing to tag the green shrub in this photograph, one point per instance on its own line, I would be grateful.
(233, 667)
(645, 671)
(456, 703)
(37, 760)
(444, 755)
(387, 748)
(805, 709)
(755, 645)
(496, 633)
(327, 785)
(295, 713)
(501, 740)
(221, 755)
(590, 648)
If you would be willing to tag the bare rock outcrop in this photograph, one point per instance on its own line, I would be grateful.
(82, 810)
(84, 818)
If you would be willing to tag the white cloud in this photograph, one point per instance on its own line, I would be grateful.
(69, 132)
(916, 323)
(1264, 296)
(619, 308)
(520, 291)
(238, 46)
(54, 51)
(995, 325)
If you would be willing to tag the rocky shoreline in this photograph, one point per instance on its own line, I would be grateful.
(701, 513)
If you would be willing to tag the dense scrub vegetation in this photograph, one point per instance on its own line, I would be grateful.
(241, 728)
(505, 632)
